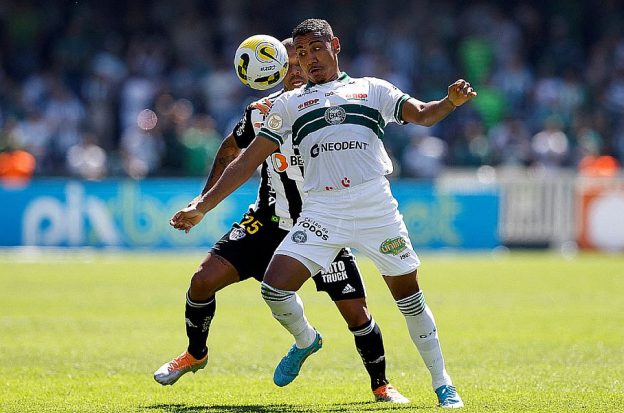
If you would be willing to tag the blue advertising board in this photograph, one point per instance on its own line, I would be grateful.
(135, 214)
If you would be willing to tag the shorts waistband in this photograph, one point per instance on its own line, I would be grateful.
(283, 223)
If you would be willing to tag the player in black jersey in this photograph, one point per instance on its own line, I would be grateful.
(245, 251)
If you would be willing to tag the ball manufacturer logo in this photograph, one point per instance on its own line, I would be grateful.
(274, 121)
(335, 115)
(299, 237)
(280, 163)
(265, 53)
(393, 246)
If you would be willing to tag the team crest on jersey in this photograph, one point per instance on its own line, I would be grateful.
(335, 115)
(236, 234)
(274, 121)
(393, 246)
(299, 237)
(280, 163)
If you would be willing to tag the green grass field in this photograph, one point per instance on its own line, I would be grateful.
(524, 332)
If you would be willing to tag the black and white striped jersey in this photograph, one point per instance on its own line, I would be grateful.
(281, 177)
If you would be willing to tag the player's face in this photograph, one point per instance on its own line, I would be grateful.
(295, 76)
(318, 56)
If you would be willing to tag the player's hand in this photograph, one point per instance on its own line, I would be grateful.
(186, 218)
(263, 105)
(460, 92)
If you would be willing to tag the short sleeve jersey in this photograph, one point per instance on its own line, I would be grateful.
(338, 128)
(281, 175)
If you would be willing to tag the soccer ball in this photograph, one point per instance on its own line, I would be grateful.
(261, 62)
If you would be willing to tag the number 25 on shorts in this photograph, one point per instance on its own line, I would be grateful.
(251, 224)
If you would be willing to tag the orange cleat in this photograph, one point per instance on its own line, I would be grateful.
(389, 393)
(170, 372)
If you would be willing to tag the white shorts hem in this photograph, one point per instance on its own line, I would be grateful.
(312, 266)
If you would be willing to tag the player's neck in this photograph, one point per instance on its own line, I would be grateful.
(335, 76)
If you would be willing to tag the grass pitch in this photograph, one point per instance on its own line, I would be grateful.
(521, 333)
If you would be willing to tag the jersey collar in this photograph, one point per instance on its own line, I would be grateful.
(343, 78)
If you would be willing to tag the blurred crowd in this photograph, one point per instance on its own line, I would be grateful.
(147, 88)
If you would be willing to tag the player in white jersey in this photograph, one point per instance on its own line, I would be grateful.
(338, 123)
(245, 251)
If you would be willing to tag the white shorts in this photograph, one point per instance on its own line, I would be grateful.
(364, 217)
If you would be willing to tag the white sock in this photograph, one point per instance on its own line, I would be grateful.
(424, 334)
(287, 308)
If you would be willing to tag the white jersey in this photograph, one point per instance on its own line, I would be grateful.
(338, 128)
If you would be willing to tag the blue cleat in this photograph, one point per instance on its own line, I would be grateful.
(288, 369)
(448, 397)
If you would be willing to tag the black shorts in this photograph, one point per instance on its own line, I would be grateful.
(250, 244)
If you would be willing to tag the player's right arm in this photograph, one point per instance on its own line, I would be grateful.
(269, 139)
(234, 175)
(240, 137)
(228, 151)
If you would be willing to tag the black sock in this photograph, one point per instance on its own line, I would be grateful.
(369, 344)
(198, 318)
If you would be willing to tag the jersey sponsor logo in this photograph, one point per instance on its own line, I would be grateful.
(348, 289)
(393, 246)
(299, 237)
(274, 121)
(308, 104)
(240, 130)
(357, 96)
(307, 91)
(296, 160)
(346, 182)
(236, 234)
(315, 228)
(280, 163)
(335, 115)
(336, 146)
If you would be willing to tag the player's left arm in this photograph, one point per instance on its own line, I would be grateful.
(430, 113)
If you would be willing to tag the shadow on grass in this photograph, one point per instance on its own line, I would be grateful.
(281, 408)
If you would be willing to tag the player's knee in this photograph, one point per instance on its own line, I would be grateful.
(354, 312)
(203, 283)
(277, 279)
(357, 320)
(403, 286)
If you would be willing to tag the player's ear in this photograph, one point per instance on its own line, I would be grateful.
(335, 44)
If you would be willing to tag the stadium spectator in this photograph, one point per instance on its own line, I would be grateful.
(16, 166)
(424, 156)
(550, 146)
(511, 142)
(532, 61)
(86, 159)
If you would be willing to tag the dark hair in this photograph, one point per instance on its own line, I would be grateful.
(314, 26)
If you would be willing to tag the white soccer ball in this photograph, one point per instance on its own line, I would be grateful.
(261, 62)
